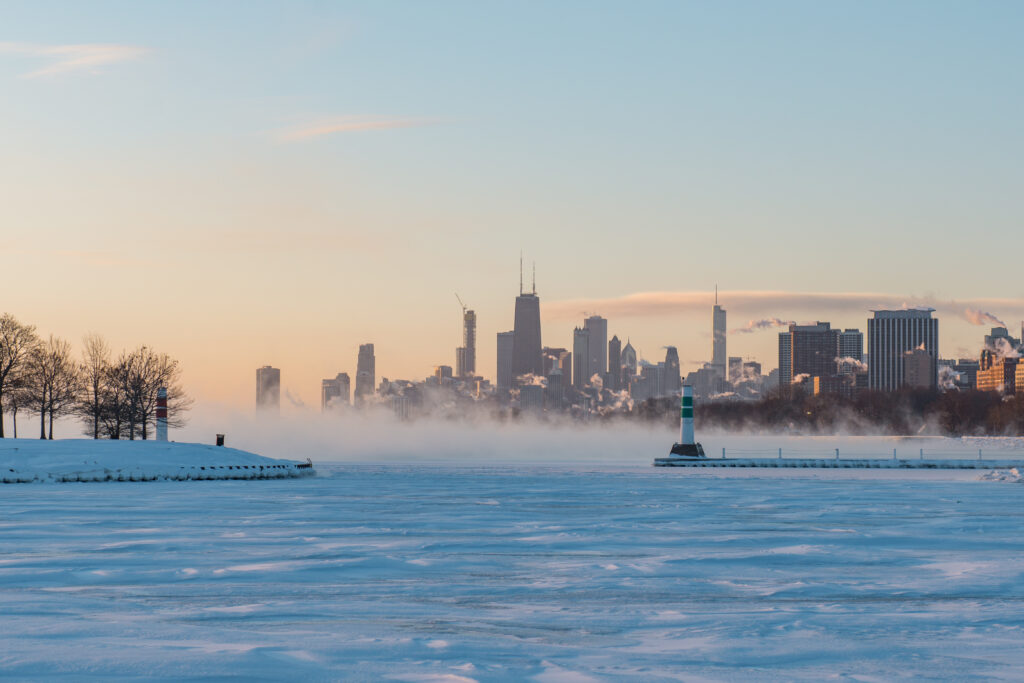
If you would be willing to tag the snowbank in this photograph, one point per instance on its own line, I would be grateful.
(26, 461)
(1011, 475)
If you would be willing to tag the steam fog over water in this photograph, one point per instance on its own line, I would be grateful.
(378, 437)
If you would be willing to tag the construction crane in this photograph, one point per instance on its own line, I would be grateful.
(461, 303)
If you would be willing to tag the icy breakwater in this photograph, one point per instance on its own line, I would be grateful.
(25, 461)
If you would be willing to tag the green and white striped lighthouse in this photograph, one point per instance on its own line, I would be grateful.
(686, 416)
(687, 447)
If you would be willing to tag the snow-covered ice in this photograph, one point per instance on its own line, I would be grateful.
(81, 460)
(572, 573)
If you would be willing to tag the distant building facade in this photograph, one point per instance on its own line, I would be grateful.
(334, 393)
(598, 346)
(890, 335)
(526, 344)
(785, 359)
(1003, 374)
(558, 370)
(506, 342)
(718, 337)
(628, 364)
(581, 369)
(366, 373)
(918, 369)
(531, 398)
(465, 355)
(807, 351)
(673, 381)
(615, 364)
(268, 388)
(851, 344)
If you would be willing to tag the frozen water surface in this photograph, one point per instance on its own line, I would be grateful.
(430, 572)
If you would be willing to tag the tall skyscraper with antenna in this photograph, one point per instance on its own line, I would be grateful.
(526, 354)
(718, 358)
(465, 355)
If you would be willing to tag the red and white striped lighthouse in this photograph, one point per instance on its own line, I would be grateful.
(161, 414)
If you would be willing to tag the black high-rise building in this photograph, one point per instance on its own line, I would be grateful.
(268, 388)
(526, 356)
(673, 380)
(366, 373)
(469, 344)
(615, 364)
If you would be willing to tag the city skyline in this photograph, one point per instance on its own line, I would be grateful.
(319, 181)
(816, 356)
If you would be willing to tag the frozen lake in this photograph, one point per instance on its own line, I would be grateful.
(420, 573)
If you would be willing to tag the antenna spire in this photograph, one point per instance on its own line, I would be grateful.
(716, 294)
(520, 273)
(534, 285)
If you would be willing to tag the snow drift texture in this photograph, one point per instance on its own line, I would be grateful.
(517, 573)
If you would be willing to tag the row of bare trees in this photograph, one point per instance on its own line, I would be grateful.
(113, 397)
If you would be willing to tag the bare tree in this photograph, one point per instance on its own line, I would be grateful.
(16, 343)
(114, 404)
(17, 396)
(52, 381)
(67, 382)
(144, 373)
(95, 374)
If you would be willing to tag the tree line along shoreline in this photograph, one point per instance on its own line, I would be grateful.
(113, 397)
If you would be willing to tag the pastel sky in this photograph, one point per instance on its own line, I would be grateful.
(248, 183)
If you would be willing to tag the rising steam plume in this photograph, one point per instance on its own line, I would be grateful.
(979, 317)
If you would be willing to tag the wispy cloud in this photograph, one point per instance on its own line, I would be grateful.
(661, 304)
(347, 124)
(67, 58)
(763, 324)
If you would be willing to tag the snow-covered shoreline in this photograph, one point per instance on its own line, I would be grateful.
(85, 460)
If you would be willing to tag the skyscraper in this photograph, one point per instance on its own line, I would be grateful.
(673, 382)
(918, 369)
(785, 358)
(851, 344)
(581, 370)
(558, 369)
(505, 351)
(268, 388)
(465, 355)
(811, 351)
(718, 333)
(615, 364)
(335, 392)
(890, 335)
(598, 349)
(366, 373)
(526, 358)
(627, 364)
